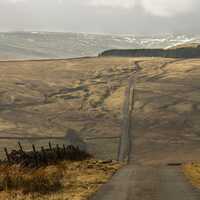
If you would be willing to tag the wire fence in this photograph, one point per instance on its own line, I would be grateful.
(100, 148)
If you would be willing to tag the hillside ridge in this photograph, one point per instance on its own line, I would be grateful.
(189, 50)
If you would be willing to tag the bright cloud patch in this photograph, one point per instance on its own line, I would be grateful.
(168, 7)
(12, 1)
(163, 8)
(113, 3)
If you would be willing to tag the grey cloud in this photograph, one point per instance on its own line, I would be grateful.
(77, 15)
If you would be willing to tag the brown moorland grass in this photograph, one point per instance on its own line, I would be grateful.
(66, 180)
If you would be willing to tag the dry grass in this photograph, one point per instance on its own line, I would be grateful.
(192, 172)
(66, 180)
(42, 180)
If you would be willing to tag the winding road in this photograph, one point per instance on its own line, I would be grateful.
(160, 133)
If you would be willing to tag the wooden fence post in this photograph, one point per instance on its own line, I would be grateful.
(7, 155)
(20, 147)
(44, 154)
(35, 155)
(58, 151)
(50, 146)
(64, 149)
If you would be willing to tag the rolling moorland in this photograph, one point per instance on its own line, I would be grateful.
(45, 98)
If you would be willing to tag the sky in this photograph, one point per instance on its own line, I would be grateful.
(101, 16)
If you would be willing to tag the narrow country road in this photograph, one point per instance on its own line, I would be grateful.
(163, 134)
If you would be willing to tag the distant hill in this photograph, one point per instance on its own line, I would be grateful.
(186, 45)
(190, 50)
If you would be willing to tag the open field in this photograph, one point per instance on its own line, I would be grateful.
(45, 98)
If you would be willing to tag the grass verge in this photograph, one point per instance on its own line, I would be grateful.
(63, 181)
(192, 172)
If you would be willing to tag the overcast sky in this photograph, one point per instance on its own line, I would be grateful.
(104, 16)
